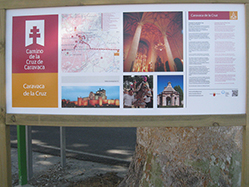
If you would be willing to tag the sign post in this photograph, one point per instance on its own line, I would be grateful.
(245, 156)
(22, 162)
(5, 160)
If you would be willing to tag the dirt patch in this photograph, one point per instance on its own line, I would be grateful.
(47, 171)
(106, 180)
(69, 177)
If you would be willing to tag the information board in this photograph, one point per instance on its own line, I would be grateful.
(167, 59)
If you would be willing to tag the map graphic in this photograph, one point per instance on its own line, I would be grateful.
(90, 42)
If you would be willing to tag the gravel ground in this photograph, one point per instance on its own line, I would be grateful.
(48, 172)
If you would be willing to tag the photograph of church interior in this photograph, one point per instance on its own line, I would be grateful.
(153, 42)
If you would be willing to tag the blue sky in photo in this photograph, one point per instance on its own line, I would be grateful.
(162, 81)
(73, 92)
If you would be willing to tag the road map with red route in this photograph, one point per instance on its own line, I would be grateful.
(90, 42)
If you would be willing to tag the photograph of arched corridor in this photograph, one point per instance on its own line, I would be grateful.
(153, 42)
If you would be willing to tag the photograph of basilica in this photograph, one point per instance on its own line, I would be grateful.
(153, 42)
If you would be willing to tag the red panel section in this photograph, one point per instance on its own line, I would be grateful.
(211, 15)
(35, 58)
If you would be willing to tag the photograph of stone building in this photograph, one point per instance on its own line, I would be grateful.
(170, 91)
(153, 41)
(90, 96)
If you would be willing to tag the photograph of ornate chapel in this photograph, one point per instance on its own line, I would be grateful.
(170, 91)
(153, 42)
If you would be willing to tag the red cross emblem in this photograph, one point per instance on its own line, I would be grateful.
(34, 34)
